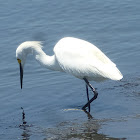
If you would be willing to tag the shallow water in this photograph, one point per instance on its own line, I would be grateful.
(52, 100)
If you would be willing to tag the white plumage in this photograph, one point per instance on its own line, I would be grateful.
(73, 56)
(82, 59)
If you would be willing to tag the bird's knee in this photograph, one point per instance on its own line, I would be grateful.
(95, 94)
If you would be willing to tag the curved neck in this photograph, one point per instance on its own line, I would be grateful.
(49, 62)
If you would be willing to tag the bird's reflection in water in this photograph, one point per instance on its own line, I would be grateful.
(88, 130)
(24, 126)
(25, 135)
(67, 130)
(85, 130)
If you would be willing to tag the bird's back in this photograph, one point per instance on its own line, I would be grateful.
(82, 59)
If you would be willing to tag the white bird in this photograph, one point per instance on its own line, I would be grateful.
(73, 56)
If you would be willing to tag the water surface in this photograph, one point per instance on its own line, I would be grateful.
(52, 100)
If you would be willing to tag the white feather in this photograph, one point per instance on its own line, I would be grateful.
(73, 56)
(82, 59)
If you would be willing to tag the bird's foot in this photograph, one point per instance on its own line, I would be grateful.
(88, 114)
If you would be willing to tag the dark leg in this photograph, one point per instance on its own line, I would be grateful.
(88, 97)
(94, 91)
(88, 114)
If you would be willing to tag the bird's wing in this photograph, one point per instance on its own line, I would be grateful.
(79, 57)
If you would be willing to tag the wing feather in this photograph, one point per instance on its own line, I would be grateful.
(82, 59)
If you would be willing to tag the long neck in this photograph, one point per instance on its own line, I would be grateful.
(49, 62)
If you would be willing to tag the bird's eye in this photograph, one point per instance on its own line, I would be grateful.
(19, 61)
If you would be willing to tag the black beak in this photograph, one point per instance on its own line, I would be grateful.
(21, 75)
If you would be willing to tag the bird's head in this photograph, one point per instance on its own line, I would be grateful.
(25, 48)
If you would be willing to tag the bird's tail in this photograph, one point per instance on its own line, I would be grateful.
(113, 73)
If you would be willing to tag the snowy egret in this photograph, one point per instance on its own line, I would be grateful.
(73, 56)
